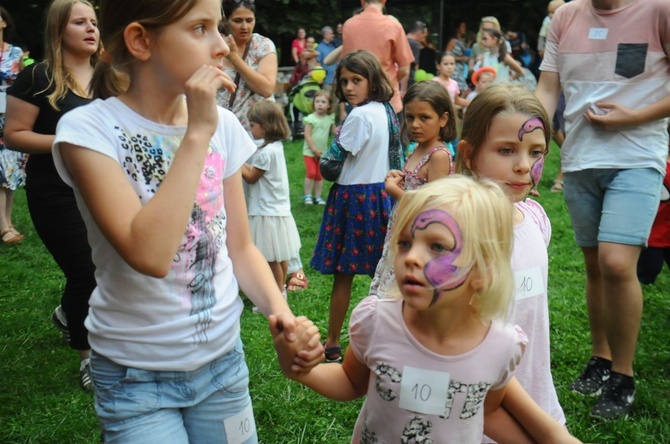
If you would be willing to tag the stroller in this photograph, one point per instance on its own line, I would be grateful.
(300, 98)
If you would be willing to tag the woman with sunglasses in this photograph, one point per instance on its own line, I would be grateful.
(252, 61)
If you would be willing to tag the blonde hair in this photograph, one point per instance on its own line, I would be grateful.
(502, 98)
(111, 76)
(326, 94)
(484, 215)
(271, 118)
(60, 79)
(487, 19)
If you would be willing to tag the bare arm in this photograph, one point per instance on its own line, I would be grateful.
(251, 174)
(395, 183)
(548, 91)
(334, 56)
(513, 64)
(403, 71)
(439, 165)
(19, 124)
(499, 424)
(619, 116)
(262, 80)
(310, 141)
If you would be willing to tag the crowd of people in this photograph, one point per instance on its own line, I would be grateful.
(156, 177)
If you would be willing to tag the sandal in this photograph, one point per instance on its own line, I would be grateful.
(333, 353)
(534, 193)
(10, 236)
(557, 187)
(297, 281)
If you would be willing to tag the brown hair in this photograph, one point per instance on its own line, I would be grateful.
(111, 77)
(271, 118)
(365, 64)
(496, 99)
(437, 97)
(60, 79)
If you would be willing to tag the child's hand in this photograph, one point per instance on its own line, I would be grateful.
(301, 354)
(395, 182)
(200, 92)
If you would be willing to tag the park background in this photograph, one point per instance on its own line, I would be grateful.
(41, 401)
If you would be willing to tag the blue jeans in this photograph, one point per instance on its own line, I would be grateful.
(612, 205)
(208, 405)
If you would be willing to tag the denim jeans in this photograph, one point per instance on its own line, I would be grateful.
(208, 405)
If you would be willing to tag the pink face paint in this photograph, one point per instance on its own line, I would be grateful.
(536, 171)
(441, 272)
(529, 126)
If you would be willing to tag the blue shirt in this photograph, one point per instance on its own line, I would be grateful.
(324, 49)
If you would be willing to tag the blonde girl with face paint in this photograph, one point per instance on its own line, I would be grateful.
(505, 137)
(436, 363)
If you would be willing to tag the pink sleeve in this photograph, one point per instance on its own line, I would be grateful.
(362, 324)
(539, 216)
(519, 341)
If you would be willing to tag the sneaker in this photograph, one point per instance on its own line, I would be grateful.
(319, 201)
(60, 321)
(85, 375)
(594, 377)
(617, 398)
(307, 200)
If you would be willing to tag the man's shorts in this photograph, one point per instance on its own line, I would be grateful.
(612, 205)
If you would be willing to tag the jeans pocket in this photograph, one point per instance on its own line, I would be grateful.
(630, 59)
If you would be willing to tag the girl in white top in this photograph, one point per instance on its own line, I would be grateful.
(505, 136)
(273, 228)
(351, 236)
(155, 171)
(436, 364)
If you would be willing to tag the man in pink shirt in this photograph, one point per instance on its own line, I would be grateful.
(384, 37)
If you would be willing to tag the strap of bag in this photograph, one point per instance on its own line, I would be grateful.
(237, 77)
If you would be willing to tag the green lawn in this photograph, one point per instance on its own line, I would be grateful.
(41, 402)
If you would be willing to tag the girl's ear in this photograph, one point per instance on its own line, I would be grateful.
(465, 150)
(444, 119)
(138, 41)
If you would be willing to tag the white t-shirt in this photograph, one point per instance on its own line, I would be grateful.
(269, 196)
(190, 317)
(618, 56)
(403, 372)
(530, 264)
(365, 135)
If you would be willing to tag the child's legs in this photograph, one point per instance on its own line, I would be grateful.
(312, 174)
(650, 264)
(318, 188)
(339, 305)
(279, 271)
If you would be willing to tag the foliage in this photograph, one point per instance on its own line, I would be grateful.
(41, 401)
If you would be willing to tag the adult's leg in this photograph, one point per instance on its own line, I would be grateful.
(6, 197)
(339, 305)
(622, 308)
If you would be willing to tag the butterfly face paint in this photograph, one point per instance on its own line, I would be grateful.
(529, 126)
(441, 272)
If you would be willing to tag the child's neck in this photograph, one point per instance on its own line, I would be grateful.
(445, 77)
(427, 145)
(321, 113)
(163, 109)
(446, 331)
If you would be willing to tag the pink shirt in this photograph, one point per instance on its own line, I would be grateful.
(451, 85)
(382, 36)
(457, 384)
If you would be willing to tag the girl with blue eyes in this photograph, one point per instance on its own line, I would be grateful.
(436, 363)
(505, 136)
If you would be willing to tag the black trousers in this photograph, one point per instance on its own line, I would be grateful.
(59, 224)
(650, 264)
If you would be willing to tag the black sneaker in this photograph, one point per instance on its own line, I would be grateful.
(617, 398)
(60, 321)
(594, 377)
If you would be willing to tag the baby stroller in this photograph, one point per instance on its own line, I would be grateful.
(300, 99)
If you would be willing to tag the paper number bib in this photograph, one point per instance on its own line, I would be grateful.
(424, 391)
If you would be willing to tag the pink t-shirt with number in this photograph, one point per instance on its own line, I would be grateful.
(415, 394)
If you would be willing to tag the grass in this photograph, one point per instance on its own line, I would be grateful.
(41, 402)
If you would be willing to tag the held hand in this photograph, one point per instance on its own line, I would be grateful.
(611, 116)
(395, 179)
(306, 344)
(200, 92)
(230, 41)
